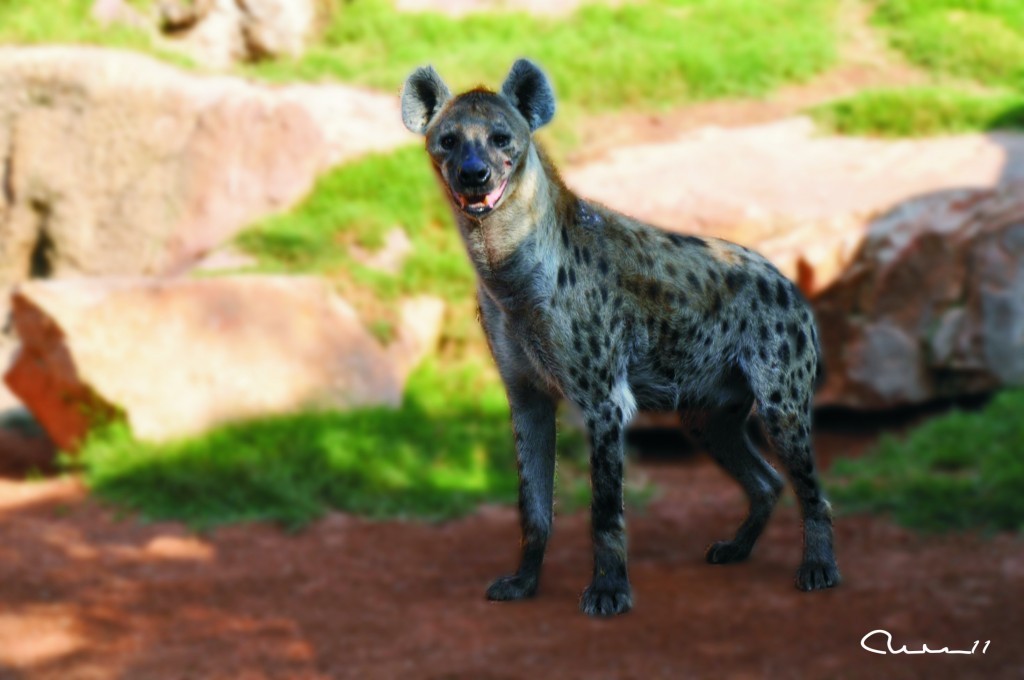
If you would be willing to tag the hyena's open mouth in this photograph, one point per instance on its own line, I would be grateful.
(480, 204)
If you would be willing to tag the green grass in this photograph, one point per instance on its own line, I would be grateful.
(960, 471)
(919, 112)
(448, 448)
(977, 39)
(357, 204)
(640, 54)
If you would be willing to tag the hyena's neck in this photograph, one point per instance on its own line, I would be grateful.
(514, 250)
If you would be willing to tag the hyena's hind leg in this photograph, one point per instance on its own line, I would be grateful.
(724, 435)
(789, 428)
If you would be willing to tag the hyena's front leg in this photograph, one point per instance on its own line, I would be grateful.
(533, 422)
(609, 593)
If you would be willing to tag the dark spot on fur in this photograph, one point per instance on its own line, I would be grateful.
(576, 254)
(762, 332)
(565, 237)
(794, 394)
(801, 342)
(586, 256)
(763, 354)
(782, 294)
(595, 347)
(716, 304)
(713, 275)
(692, 278)
(561, 278)
(778, 328)
(653, 290)
(670, 269)
(572, 276)
(681, 240)
(763, 289)
(783, 352)
(743, 325)
(602, 266)
(735, 279)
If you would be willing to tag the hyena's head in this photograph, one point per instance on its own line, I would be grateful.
(480, 139)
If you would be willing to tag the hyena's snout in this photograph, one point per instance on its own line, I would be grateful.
(473, 173)
(477, 185)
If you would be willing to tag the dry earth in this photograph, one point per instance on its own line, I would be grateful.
(86, 594)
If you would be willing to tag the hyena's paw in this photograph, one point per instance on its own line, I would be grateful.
(725, 552)
(513, 587)
(817, 576)
(606, 598)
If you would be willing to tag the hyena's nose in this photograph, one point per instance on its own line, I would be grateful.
(474, 172)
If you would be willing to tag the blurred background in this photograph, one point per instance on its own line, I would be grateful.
(249, 424)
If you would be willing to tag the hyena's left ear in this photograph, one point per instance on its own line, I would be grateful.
(423, 96)
(530, 92)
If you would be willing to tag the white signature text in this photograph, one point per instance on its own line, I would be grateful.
(924, 649)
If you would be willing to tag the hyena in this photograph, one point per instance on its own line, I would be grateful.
(581, 302)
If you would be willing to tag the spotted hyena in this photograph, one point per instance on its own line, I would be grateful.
(581, 302)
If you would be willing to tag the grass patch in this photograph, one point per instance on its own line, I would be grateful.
(357, 204)
(919, 112)
(641, 54)
(959, 471)
(448, 448)
(978, 39)
(651, 53)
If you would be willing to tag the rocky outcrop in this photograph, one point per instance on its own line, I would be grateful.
(112, 163)
(932, 305)
(176, 357)
(218, 33)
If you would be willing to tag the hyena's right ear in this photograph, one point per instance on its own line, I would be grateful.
(423, 96)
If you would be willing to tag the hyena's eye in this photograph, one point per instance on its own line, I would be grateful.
(448, 141)
(501, 140)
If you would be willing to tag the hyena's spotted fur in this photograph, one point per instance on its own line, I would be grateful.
(581, 302)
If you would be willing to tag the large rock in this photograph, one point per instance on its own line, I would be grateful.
(803, 199)
(113, 163)
(932, 305)
(176, 357)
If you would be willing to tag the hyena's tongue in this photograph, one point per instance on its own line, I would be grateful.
(486, 201)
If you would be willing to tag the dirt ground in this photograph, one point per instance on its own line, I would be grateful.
(85, 594)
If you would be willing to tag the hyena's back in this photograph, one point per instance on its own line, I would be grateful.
(704, 322)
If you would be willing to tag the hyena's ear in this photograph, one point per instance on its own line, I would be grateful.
(423, 96)
(530, 92)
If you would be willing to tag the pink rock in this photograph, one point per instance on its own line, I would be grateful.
(117, 164)
(177, 357)
(932, 305)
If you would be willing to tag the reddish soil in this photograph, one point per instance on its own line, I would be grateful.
(85, 594)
